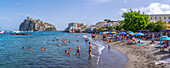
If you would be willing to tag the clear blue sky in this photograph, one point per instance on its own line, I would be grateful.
(61, 12)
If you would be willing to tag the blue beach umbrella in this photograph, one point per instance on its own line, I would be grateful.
(110, 33)
(122, 33)
(138, 34)
(100, 32)
(129, 32)
(166, 38)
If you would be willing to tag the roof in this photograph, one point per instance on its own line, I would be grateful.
(159, 15)
(92, 25)
(101, 23)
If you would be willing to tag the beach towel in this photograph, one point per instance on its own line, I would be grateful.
(139, 43)
(152, 45)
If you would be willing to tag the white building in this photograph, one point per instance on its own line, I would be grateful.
(164, 17)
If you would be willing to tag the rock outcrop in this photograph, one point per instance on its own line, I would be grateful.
(30, 24)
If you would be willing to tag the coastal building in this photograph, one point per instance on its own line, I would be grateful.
(100, 24)
(91, 28)
(164, 17)
(76, 27)
(111, 24)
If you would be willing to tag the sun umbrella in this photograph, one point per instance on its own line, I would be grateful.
(122, 33)
(138, 34)
(100, 32)
(129, 32)
(166, 38)
(113, 32)
(110, 32)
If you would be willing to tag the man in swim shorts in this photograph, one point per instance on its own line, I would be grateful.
(78, 50)
(90, 48)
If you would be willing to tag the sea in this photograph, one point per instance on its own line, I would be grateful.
(13, 56)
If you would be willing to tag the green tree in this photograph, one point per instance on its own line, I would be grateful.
(156, 26)
(108, 20)
(100, 29)
(110, 28)
(135, 20)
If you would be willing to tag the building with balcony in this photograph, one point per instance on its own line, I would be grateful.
(76, 27)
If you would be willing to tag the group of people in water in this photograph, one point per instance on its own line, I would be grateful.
(67, 52)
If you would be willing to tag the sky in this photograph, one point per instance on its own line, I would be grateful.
(61, 12)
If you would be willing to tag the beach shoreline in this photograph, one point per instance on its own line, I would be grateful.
(139, 56)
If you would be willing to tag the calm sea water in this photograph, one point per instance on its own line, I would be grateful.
(12, 54)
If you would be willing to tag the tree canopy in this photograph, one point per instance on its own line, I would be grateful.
(135, 20)
(156, 26)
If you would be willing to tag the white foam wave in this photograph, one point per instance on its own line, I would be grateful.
(99, 46)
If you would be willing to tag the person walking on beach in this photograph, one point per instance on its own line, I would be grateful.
(90, 48)
(153, 39)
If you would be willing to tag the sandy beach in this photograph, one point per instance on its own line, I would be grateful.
(140, 56)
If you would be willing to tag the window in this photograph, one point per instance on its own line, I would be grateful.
(169, 22)
(169, 17)
(164, 17)
(155, 17)
(151, 18)
(159, 17)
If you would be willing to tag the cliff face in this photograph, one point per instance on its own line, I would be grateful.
(35, 25)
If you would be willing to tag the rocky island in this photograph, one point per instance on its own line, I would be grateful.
(30, 24)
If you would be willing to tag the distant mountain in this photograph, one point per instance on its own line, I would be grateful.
(30, 24)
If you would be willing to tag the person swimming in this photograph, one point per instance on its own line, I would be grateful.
(29, 48)
(64, 41)
(90, 48)
(23, 48)
(87, 39)
(77, 40)
(69, 41)
(66, 51)
(58, 44)
(53, 39)
(42, 48)
(57, 39)
(69, 49)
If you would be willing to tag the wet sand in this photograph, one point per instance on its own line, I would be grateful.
(140, 56)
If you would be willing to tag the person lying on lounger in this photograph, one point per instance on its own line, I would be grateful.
(164, 46)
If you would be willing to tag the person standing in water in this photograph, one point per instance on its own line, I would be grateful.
(78, 50)
(90, 48)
